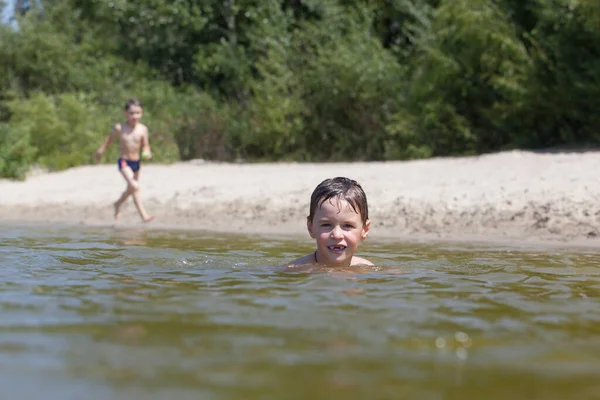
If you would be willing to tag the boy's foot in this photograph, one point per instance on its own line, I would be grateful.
(148, 219)
(117, 211)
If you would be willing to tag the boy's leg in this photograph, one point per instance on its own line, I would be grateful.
(138, 200)
(132, 185)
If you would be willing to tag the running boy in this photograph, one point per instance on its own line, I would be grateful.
(133, 137)
(338, 221)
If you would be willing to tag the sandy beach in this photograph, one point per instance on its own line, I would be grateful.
(512, 196)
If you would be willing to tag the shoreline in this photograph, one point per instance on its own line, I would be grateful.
(513, 198)
(463, 240)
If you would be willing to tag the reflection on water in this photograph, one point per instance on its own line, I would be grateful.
(115, 314)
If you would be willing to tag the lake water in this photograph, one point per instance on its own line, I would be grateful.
(133, 314)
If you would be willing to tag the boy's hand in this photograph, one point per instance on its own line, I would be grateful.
(98, 156)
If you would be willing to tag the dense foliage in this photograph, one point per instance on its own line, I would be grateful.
(307, 80)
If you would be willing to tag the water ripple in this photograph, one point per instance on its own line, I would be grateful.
(134, 314)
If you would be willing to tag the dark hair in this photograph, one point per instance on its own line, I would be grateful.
(132, 102)
(345, 189)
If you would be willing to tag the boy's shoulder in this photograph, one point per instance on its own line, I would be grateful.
(361, 261)
(306, 260)
(141, 128)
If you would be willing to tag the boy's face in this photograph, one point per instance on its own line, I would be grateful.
(338, 230)
(133, 115)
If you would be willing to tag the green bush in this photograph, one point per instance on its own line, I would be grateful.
(324, 89)
(469, 78)
(270, 125)
(65, 129)
(563, 92)
(184, 123)
(310, 80)
(351, 88)
(16, 152)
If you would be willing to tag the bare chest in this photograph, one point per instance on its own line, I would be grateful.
(131, 138)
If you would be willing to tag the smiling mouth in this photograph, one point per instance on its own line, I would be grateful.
(336, 248)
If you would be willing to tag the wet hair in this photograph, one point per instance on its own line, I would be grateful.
(132, 102)
(344, 189)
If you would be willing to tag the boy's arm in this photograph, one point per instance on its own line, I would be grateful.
(146, 150)
(109, 138)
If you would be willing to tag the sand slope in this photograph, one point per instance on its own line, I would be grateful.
(512, 195)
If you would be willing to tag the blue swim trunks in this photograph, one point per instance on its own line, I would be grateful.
(134, 165)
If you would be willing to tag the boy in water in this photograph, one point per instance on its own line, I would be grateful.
(338, 221)
(133, 137)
